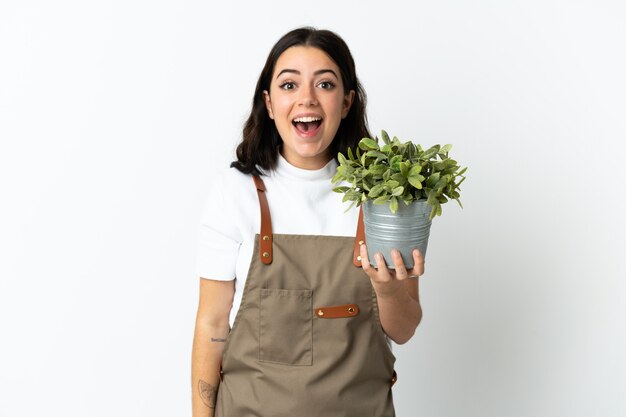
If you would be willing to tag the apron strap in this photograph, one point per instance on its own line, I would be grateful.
(359, 240)
(265, 246)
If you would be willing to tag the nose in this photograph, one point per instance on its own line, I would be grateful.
(307, 96)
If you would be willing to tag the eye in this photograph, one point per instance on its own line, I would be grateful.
(326, 85)
(288, 85)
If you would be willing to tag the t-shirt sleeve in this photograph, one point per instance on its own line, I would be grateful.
(219, 237)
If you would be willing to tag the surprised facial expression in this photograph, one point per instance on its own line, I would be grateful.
(307, 102)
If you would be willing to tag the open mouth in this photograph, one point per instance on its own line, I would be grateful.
(307, 124)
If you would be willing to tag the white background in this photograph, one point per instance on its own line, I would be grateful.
(113, 116)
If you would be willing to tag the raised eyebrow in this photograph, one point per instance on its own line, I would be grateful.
(287, 70)
(324, 71)
(318, 72)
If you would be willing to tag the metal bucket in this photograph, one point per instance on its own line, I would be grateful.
(404, 230)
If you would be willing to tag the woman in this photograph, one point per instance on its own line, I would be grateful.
(309, 318)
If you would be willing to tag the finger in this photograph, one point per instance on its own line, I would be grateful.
(383, 272)
(418, 264)
(401, 272)
(365, 261)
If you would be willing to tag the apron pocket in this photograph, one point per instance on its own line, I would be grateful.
(286, 326)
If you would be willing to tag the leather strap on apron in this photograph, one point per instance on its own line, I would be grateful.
(265, 248)
(360, 239)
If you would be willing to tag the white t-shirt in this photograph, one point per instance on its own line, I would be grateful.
(300, 201)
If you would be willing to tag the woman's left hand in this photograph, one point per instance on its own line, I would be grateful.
(387, 281)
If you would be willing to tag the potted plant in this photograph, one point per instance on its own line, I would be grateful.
(402, 188)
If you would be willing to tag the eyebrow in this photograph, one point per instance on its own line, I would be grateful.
(318, 72)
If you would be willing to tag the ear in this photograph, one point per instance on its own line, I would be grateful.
(268, 104)
(347, 103)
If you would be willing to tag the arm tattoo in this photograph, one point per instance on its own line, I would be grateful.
(208, 393)
(213, 339)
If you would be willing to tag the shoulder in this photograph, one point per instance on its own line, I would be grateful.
(231, 203)
(235, 189)
(228, 180)
(232, 176)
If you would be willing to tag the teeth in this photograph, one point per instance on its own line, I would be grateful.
(306, 119)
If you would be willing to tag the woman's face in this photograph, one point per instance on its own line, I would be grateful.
(306, 100)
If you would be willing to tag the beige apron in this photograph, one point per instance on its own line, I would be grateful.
(307, 340)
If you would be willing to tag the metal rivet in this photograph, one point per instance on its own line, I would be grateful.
(266, 254)
(266, 237)
(350, 309)
(361, 242)
(358, 258)
(320, 312)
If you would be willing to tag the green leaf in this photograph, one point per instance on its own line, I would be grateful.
(342, 159)
(378, 155)
(367, 143)
(350, 154)
(345, 170)
(404, 168)
(381, 200)
(393, 205)
(385, 137)
(432, 180)
(435, 208)
(454, 194)
(444, 164)
(342, 189)
(376, 190)
(432, 198)
(397, 191)
(377, 169)
(399, 177)
(414, 181)
(391, 184)
(430, 152)
(443, 181)
(415, 169)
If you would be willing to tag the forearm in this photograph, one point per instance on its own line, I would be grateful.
(208, 347)
(400, 314)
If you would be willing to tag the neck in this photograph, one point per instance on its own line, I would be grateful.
(316, 163)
